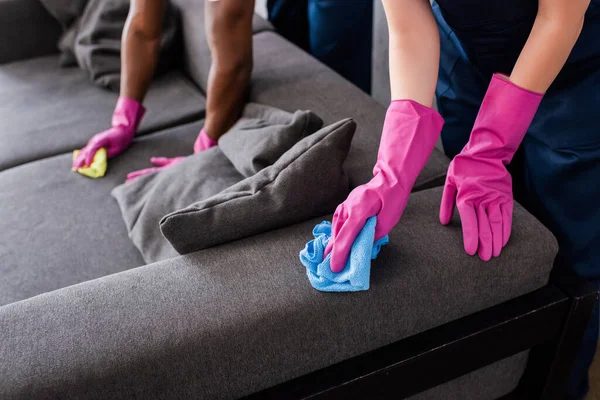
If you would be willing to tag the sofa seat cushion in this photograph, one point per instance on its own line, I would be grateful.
(47, 110)
(61, 228)
(185, 326)
(74, 223)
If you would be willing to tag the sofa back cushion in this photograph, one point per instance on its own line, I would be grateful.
(288, 78)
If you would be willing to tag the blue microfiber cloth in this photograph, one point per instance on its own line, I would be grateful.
(355, 276)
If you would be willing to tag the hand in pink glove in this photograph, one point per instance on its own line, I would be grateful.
(409, 135)
(159, 164)
(203, 142)
(478, 181)
(125, 120)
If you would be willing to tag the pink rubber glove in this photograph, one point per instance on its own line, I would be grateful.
(203, 142)
(478, 181)
(409, 135)
(159, 164)
(125, 121)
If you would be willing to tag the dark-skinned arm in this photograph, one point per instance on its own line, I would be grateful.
(141, 42)
(229, 32)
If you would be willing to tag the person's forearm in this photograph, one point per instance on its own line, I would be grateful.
(229, 31)
(554, 33)
(140, 46)
(414, 50)
(226, 92)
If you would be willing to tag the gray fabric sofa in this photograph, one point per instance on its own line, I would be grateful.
(81, 316)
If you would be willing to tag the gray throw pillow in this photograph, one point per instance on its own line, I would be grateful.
(306, 182)
(261, 136)
(147, 199)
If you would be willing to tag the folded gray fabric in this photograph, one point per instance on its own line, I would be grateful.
(306, 182)
(146, 200)
(92, 37)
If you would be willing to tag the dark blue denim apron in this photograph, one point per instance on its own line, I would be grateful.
(556, 172)
(337, 32)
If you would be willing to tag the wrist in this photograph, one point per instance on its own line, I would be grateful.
(514, 81)
(409, 124)
(418, 108)
(409, 135)
(504, 117)
(203, 142)
(128, 114)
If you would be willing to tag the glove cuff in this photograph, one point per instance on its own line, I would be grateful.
(505, 115)
(409, 135)
(204, 142)
(409, 126)
(128, 113)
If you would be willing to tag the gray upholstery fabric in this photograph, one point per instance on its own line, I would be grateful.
(240, 317)
(290, 79)
(488, 383)
(26, 30)
(146, 200)
(196, 52)
(60, 228)
(263, 134)
(307, 181)
(47, 110)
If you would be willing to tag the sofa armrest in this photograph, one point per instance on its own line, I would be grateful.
(134, 334)
(235, 319)
(26, 30)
